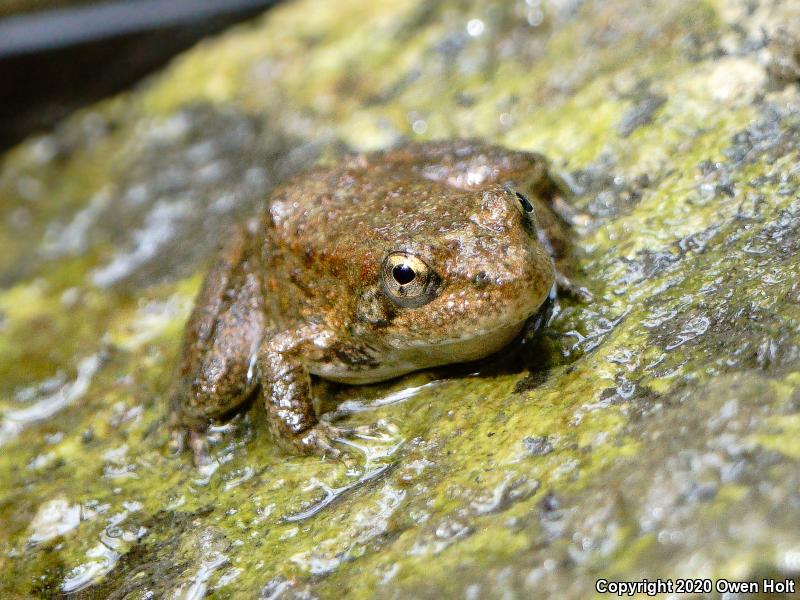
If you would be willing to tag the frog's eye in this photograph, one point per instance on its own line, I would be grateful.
(407, 280)
(524, 203)
(526, 208)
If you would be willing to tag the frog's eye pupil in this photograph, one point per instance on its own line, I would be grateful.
(526, 204)
(403, 274)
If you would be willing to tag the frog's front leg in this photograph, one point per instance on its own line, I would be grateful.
(286, 383)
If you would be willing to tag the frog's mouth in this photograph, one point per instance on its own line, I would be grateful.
(399, 361)
(467, 332)
(472, 347)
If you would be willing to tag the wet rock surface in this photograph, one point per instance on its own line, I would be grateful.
(652, 433)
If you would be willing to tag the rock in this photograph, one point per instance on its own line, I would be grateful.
(651, 433)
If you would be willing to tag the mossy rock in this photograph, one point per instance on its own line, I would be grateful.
(651, 433)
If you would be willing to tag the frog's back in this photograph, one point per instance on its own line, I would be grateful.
(329, 208)
(401, 193)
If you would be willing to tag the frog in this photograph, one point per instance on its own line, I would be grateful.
(381, 264)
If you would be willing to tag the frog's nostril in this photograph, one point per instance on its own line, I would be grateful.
(481, 279)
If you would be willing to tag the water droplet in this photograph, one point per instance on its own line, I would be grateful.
(475, 27)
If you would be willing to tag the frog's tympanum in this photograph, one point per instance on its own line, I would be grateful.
(387, 263)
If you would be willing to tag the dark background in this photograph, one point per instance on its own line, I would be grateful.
(57, 55)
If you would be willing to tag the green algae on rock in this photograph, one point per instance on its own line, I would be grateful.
(649, 434)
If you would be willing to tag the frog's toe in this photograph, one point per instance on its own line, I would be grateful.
(195, 438)
(198, 442)
(317, 441)
(177, 440)
(358, 430)
(321, 438)
(570, 289)
(582, 294)
(378, 430)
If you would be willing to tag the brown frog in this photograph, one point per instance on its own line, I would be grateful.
(390, 262)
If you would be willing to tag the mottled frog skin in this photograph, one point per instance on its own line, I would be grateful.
(389, 262)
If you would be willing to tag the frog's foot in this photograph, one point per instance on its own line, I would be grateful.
(197, 441)
(321, 438)
(570, 289)
(195, 435)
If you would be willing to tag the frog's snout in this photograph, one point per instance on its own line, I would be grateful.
(504, 207)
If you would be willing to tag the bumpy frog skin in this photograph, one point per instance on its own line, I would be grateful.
(389, 262)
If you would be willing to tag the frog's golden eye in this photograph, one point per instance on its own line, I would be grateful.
(407, 280)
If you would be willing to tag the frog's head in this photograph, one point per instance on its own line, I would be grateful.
(461, 286)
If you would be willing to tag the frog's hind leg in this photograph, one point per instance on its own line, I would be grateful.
(220, 343)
